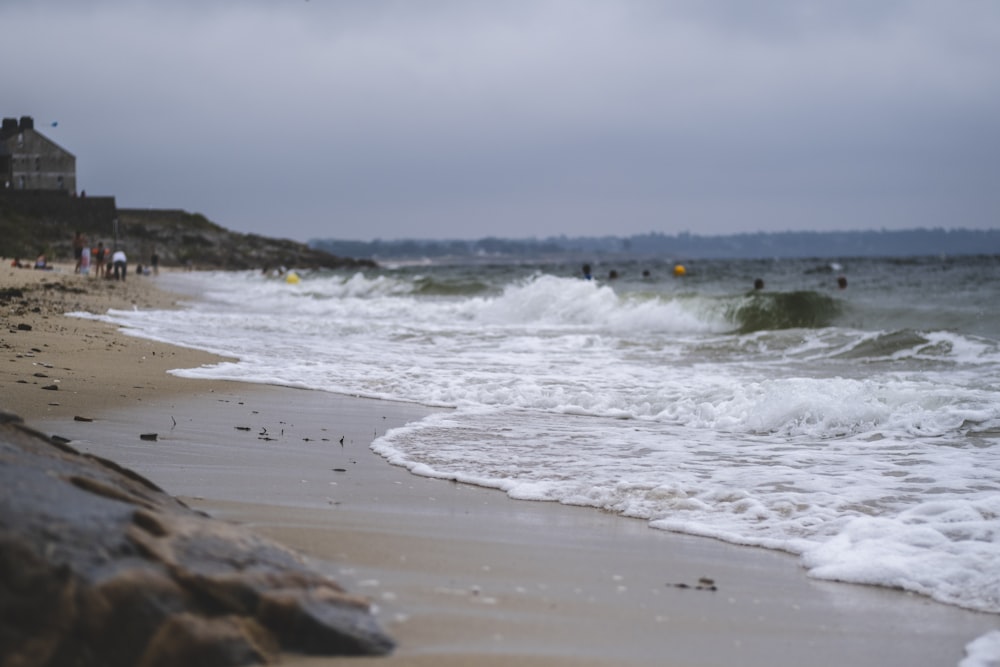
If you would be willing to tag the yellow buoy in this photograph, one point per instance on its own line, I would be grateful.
(292, 278)
(679, 270)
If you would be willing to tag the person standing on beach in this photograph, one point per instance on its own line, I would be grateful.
(85, 261)
(120, 263)
(99, 254)
(79, 241)
(155, 261)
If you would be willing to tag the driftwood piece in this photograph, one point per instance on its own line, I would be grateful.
(98, 566)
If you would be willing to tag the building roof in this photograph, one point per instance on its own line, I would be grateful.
(11, 127)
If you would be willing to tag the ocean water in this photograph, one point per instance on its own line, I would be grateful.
(858, 428)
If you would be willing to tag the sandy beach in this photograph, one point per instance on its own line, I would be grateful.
(460, 575)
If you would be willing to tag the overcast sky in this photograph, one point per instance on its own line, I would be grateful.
(463, 119)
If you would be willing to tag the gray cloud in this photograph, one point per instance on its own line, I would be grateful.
(442, 119)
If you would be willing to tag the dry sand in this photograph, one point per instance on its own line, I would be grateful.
(92, 365)
(460, 575)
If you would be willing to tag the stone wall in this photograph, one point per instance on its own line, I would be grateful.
(33, 221)
(90, 214)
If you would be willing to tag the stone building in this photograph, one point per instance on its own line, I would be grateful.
(31, 161)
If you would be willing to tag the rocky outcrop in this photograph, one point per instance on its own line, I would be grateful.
(100, 567)
(32, 223)
(186, 239)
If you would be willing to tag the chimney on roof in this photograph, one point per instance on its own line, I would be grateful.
(9, 125)
(27, 123)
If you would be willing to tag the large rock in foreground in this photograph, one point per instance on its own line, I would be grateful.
(100, 567)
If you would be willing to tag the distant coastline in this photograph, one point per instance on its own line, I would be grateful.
(762, 245)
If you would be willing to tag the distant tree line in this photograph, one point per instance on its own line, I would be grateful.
(883, 243)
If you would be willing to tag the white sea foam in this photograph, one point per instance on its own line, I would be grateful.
(875, 454)
(983, 652)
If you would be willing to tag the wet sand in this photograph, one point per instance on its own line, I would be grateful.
(460, 575)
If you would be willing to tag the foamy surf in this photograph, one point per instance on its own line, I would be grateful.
(858, 428)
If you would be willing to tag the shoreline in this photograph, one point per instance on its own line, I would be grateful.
(461, 574)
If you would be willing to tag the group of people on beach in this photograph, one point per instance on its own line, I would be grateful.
(41, 263)
(107, 264)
